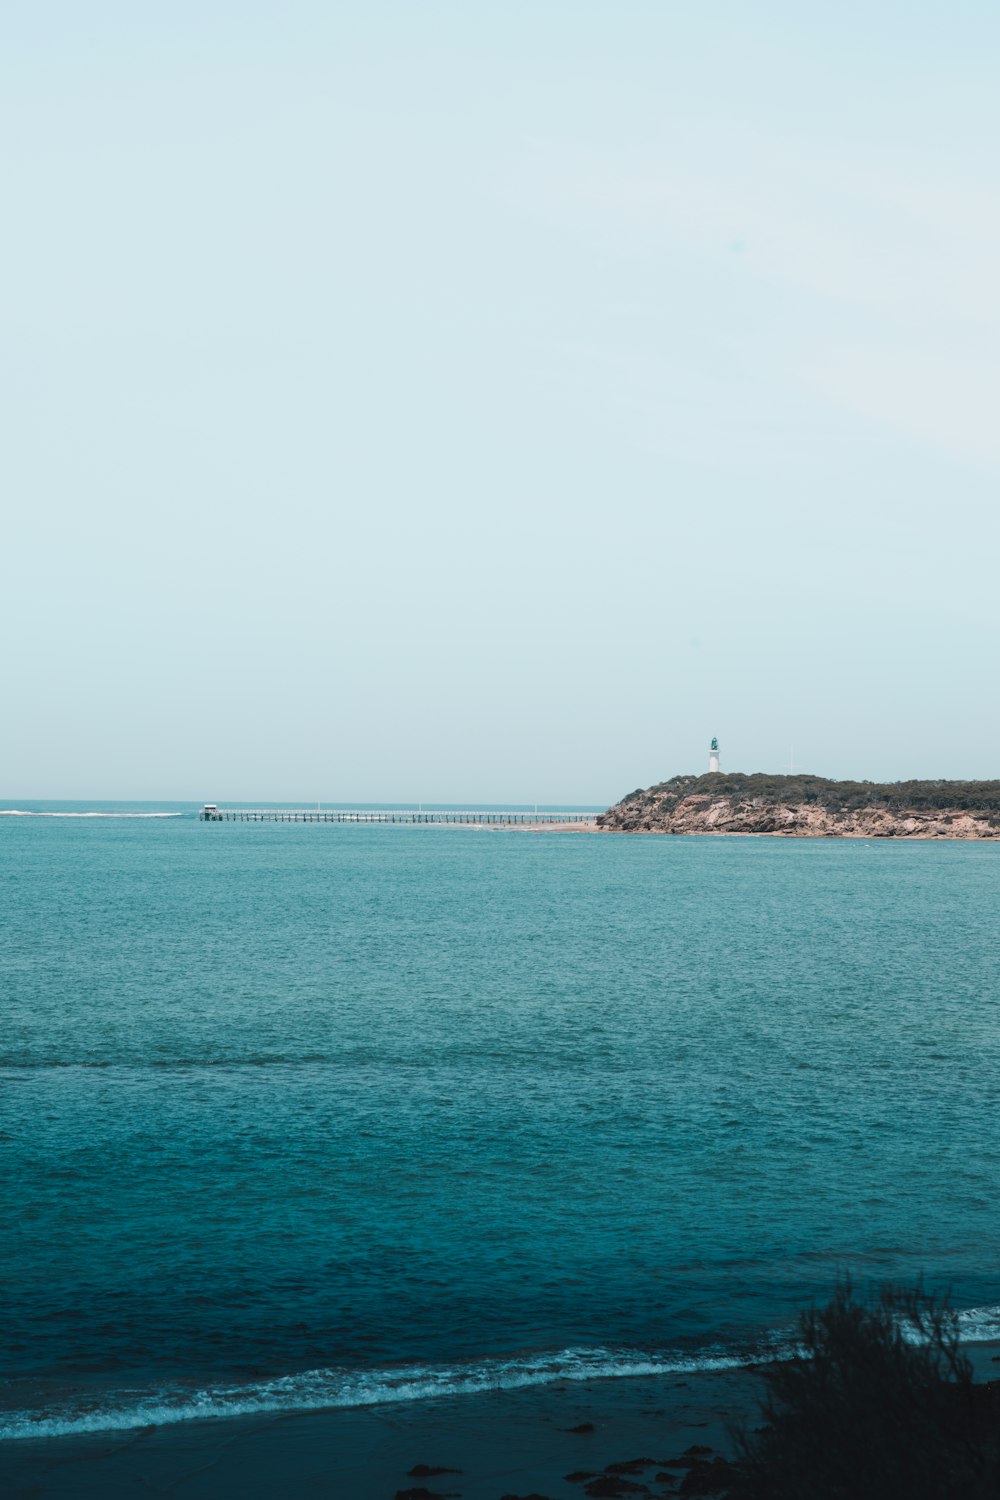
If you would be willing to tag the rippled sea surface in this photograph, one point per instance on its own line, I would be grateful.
(295, 1115)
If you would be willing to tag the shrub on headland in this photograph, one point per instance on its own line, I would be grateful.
(881, 1405)
(819, 791)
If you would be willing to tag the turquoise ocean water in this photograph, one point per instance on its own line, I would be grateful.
(305, 1115)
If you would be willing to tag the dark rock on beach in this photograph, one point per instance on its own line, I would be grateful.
(708, 1478)
(610, 1486)
(419, 1492)
(429, 1471)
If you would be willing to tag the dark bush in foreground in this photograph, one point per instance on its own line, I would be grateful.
(881, 1405)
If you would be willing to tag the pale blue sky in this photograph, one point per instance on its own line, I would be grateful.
(486, 401)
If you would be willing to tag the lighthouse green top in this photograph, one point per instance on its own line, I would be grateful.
(715, 744)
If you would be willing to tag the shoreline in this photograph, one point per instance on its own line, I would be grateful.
(744, 833)
(515, 1444)
(815, 838)
(504, 1443)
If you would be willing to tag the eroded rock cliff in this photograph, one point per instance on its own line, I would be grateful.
(810, 807)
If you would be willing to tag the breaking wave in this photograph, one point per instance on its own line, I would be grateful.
(18, 812)
(979, 1325)
(315, 1390)
(333, 1387)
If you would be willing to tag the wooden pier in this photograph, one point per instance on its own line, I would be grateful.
(212, 814)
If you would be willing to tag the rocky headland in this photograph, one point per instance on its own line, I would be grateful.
(810, 807)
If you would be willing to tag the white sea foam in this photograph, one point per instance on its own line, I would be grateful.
(331, 1387)
(17, 812)
(974, 1325)
(315, 1390)
(979, 1325)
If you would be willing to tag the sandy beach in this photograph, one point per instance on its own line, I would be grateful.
(590, 827)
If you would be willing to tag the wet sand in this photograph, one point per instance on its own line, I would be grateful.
(590, 827)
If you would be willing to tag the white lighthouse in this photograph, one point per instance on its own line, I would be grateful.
(713, 755)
